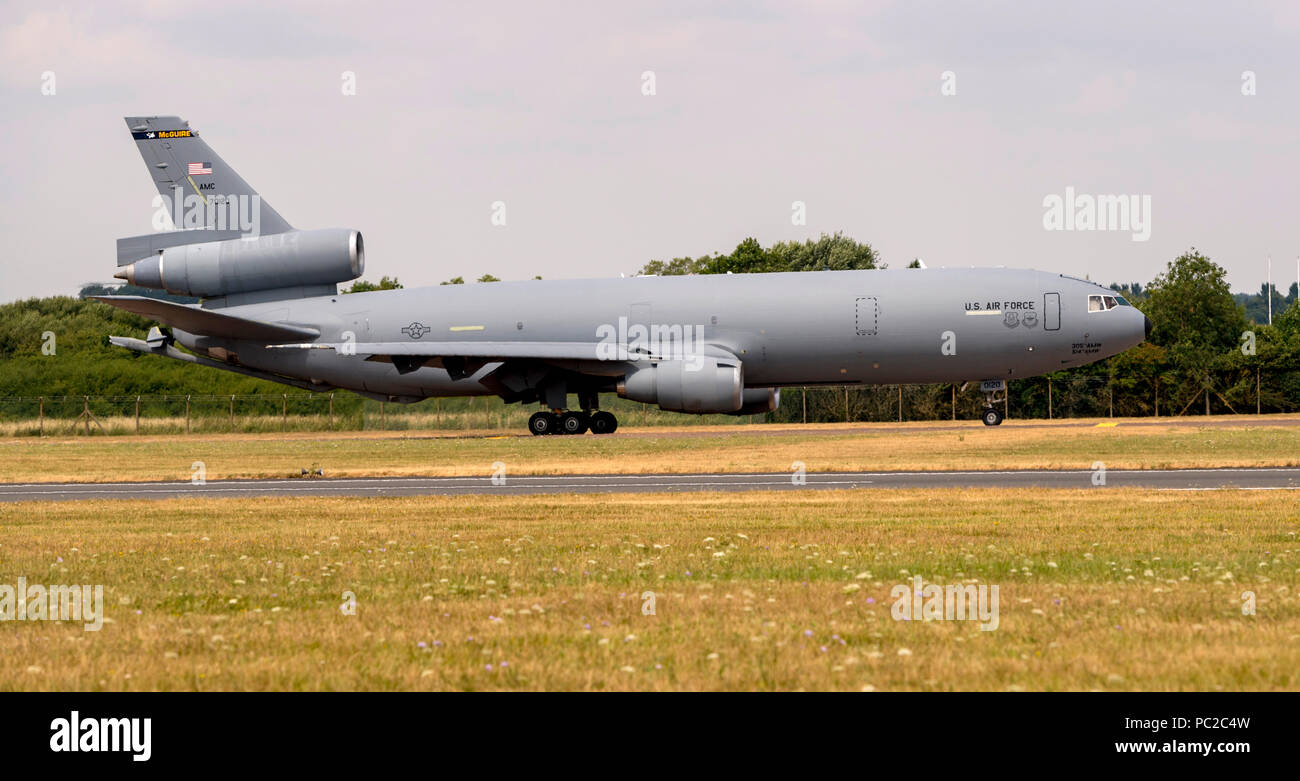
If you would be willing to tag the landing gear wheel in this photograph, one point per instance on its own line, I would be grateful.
(992, 417)
(603, 423)
(543, 423)
(573, 423)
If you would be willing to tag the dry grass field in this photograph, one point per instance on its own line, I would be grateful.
(1133, 443)
(1111, 589)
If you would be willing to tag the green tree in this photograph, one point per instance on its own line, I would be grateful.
(488, 278)
(1195, 318)
(454, 281)
(385, 283)
(676, 267)
(826, 253)
(96, 289)
(1130, 290)
(83, 361)
(749, 257)
(1256, 304)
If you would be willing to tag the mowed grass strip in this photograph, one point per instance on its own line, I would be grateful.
(917, 446)
(1111, 589)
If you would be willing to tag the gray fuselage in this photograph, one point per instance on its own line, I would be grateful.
(826, 327)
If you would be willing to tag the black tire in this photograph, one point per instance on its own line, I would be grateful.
(573, 423)
(542, 423)
(992, 417)
(603, 423)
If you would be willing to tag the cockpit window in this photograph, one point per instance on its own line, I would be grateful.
(1102, 303)
(1122, 302)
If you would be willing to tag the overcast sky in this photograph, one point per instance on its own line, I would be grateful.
(756, 106)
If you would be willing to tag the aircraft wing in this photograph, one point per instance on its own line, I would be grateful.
(555, 351)
(209, 322)
(460, 359)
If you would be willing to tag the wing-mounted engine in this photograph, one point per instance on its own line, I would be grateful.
(220, 268)
(757, 401)
(702, 385)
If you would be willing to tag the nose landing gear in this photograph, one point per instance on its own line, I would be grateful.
(992, 416)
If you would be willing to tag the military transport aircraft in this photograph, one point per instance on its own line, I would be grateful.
(270, 309)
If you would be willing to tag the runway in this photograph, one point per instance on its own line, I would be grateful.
(1255, 479)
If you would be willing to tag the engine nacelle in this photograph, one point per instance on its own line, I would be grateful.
(218, 268)
(758, 401)
(701, 385)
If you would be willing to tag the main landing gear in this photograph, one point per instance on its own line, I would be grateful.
(571, 422)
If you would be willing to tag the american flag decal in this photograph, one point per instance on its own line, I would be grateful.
(199, 169)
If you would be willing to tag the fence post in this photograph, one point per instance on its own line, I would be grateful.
(1257, 405)
(1112, 401)
(846, 404)
(437, 405)
(954, 401)
(137, 414)
(1006, 401)
(42, 417)
(187, 414)
(85, 410)
(331, 412)
(284, 412)
(804, 391)
(383, 419)
(232, 413)
(1049, 398)
(487, 413)
(1157, 396)
(900, 403)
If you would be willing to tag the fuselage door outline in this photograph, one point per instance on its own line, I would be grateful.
(1051, 311)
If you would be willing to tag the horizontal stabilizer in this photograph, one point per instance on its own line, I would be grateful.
(206, 322)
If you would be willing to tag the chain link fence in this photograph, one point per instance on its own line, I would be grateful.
(288, 412)
(1046, 398)
(1073, 396)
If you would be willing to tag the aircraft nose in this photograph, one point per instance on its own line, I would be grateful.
(1148, 325)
